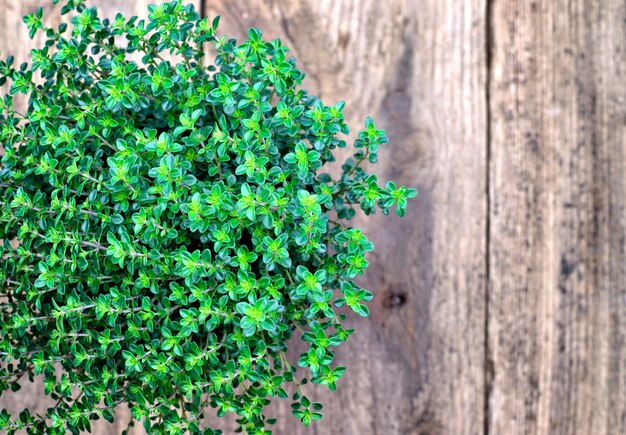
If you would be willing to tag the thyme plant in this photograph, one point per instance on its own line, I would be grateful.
(165, 227)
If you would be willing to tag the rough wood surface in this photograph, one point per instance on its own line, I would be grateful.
(14, 40)
(501, 299)
(418, 67)
(557, 300)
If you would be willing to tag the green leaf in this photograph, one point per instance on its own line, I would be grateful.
(174, 228)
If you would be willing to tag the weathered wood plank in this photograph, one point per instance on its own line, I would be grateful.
(557, 322)
(14, 40)
(418, 67)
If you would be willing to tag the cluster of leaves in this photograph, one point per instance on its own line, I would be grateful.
(173, 229)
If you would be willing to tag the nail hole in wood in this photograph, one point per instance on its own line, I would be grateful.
(394, 299)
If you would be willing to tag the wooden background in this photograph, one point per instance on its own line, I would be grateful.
(501, 299)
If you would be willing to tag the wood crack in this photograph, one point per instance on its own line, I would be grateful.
(489, 364)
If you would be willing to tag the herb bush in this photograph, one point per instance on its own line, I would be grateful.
(173, 230)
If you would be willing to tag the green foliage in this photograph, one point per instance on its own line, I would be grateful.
(174, 230)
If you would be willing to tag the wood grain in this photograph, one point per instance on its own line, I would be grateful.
(397, 61)
(418, 67)
(14, 38)
(557, 305)
(501, 299)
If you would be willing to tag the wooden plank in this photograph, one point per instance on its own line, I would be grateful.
(15, 41)
(557, 305)
(418, 67)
